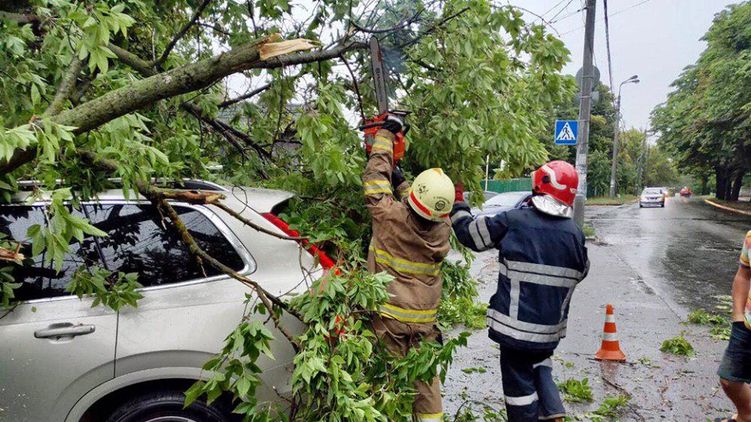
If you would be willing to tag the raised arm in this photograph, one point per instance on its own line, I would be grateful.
(477, 233)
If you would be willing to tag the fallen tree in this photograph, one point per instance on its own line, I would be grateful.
(137, 91)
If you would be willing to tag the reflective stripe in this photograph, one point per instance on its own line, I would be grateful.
(459, 215)
(542, 269)
(377, 186)
(408, 315)
(526, 326)
(514, 292)
(546, 363)
(478, 229)
(523, 335)
(484, 232)
(541, 279)
(403, 265)
(610, 336)
(522, 401)
(382, 144)
(609, 318)
(429, 417)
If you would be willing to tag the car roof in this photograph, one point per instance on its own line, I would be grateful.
(261, 200)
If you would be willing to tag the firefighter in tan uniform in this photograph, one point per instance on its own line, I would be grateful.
(410, 240)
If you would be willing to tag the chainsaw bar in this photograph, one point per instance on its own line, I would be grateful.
(379, 76)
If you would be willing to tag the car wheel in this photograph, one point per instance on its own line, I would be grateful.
(662, 205)
(166, 406)
(640, 205)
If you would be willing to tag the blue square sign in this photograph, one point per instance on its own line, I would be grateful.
(566, 132)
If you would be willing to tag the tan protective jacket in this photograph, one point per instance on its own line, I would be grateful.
(404, 245)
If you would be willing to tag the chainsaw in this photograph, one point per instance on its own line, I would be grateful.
(370, 126)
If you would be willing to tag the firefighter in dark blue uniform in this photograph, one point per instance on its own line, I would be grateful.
(543, 258)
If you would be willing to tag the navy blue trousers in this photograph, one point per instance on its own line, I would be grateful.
(528, 386)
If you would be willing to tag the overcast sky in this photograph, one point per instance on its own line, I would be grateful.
(654, 39)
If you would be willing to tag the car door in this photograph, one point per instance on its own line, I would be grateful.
(187, 308)
(53, 347)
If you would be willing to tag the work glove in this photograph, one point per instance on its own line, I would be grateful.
(393, 124)
(459, 192)
(397, 177)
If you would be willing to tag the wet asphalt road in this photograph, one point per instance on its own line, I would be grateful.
(655, 265)
(688, 251)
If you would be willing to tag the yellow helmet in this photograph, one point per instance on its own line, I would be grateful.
(432, 195)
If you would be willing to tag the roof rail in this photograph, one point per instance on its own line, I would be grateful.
(189, 184)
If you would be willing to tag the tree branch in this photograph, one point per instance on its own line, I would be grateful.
(181, 80)
(243, 97)
(66, 87)
(19, 17)
(196, 14)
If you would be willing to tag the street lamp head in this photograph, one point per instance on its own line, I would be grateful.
(635, 77)
(636, 81)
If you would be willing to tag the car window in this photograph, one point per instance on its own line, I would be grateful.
(39, 280)
(140, 241)
(506, 199)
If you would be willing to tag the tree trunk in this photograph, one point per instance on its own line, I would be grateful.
(735, 192)
(704, 184)
(722, 182)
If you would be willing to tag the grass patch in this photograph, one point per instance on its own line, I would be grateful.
(677, 346)
(479, 370)
(702, 317)
(604, 200)
(720, 326)
(576, 391)
(612, 406)
(589, 231)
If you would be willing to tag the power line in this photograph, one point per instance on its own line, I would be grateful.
(611, 15)
(556, 5)
(561, 11)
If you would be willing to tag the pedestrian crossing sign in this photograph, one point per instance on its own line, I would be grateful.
(566, 132)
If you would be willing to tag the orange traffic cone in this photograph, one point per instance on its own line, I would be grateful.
(611, 348)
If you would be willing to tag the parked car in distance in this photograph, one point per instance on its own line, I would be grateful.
(652, 197)
(63, 360)
(485, 194)
(502, 202)
(686, 192)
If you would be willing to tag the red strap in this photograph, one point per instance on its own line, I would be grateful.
(326, 262)
(419, 204)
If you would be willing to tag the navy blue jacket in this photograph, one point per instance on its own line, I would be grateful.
(542, 259)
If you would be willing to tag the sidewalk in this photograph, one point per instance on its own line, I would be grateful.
(743, 206)
(661, 386)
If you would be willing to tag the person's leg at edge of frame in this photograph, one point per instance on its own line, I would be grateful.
(735, 371)
(550, 403)
(517, 377)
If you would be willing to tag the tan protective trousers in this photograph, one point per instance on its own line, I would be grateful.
(399, 337)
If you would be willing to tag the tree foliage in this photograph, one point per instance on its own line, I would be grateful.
(705, 121)
(139, 89)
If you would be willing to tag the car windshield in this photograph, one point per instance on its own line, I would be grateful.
(652, 191)
(506, 199)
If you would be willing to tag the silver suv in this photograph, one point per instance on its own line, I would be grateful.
(63, 360)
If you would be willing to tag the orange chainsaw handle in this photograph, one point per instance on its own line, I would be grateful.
(371, 126)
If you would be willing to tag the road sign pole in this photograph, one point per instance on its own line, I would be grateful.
(585, 109)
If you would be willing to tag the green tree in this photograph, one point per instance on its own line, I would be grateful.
(705, 121)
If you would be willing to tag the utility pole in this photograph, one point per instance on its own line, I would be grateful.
(632, 80)
(585, 109)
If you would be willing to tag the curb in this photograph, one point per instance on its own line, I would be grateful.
(723, 207)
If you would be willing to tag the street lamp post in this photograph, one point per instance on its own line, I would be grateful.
(632, 80)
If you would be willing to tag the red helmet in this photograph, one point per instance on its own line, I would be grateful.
(558, 179)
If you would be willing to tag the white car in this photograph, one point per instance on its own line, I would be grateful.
(652, 197)
(63, 360)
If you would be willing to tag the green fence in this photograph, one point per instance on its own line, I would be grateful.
(509, 185)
